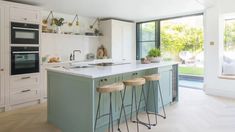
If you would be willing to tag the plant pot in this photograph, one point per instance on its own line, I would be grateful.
(155, 59)
(59, 30)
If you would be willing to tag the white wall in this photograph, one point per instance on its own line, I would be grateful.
(214, 17)
(62, 45)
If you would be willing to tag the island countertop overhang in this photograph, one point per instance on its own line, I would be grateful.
(103, 71)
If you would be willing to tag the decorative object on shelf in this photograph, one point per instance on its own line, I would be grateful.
(154, 55)
(45, 23)
(55, 24)
(102, 53)
(44, 58)
(77, 22)
(58, 22)
(90, 56)
(145, 61)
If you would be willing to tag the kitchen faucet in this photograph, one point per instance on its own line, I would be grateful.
(72, 56)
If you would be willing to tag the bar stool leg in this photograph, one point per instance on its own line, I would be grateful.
(148, 125)
(162, 100)
(145, 101)
(132, 94)
(110, 112)
(122, 108)
(154, 101)
(98, 109)
(137, 112)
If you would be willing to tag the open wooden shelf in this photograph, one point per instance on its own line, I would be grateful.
(78, 35)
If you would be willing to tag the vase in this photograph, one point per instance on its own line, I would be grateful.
(59, 30)
(155, 59)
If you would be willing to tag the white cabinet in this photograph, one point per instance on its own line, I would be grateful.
(119, 39)
(24, 15)
(24, 88)
(1, 56)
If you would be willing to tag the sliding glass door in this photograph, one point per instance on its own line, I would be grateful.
(180, 39)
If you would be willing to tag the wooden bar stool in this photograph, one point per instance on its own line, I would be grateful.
(151, 79)
(134, 83)
(116, 87)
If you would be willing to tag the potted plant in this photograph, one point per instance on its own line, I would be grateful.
(58, 22)
(154, 55)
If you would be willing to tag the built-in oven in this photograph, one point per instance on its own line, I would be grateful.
(24, 33)
(24, 60)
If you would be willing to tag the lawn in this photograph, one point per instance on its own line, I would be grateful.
(197, 71)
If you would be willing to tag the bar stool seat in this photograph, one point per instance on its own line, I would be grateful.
(153, 77)
(109, 89)
(134, 82)
(115, 87)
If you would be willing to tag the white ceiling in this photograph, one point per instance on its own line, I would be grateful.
(125, 9)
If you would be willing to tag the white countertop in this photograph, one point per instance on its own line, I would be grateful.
(102, 71)
(62, 63)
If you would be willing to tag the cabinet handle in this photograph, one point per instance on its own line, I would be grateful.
(25, 78)
(24, 91)
(1, 69)
(135, 74)
(105, 79)
(25, 19)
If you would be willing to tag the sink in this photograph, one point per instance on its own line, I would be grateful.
(108, 64)
(103, 64)
(78, 66)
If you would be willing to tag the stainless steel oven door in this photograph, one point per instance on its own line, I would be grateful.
(24, 62)
(22, 33)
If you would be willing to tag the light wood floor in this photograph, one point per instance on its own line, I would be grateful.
(195, 112)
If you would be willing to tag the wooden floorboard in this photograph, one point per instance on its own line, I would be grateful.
(195, 112)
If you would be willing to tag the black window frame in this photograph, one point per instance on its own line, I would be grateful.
(157, 32)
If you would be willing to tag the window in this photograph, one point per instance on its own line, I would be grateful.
(229, 38)
(229, 48)
(147, 38)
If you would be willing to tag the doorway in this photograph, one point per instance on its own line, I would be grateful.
(182, 40)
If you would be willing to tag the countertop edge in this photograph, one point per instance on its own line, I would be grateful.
(70, 72)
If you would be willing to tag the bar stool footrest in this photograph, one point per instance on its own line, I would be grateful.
(143, 123)
(152, 113)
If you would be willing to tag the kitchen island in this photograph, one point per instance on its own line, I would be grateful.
(72, 96)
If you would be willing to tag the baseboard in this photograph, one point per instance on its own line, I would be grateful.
(220, 93)
(17, 106)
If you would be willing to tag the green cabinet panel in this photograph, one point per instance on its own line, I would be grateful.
(166, 85)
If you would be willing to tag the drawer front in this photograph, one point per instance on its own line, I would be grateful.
(133, 75)
(24, 15)
(24, 81)
(24, 95)
(105, 81)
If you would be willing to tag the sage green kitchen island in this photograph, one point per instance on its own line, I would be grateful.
(72, 96)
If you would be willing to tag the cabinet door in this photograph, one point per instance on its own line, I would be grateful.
(117, 34)
(24, 15)
(122, 40)
(166, 85)
(1, 56)
(128, 48)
